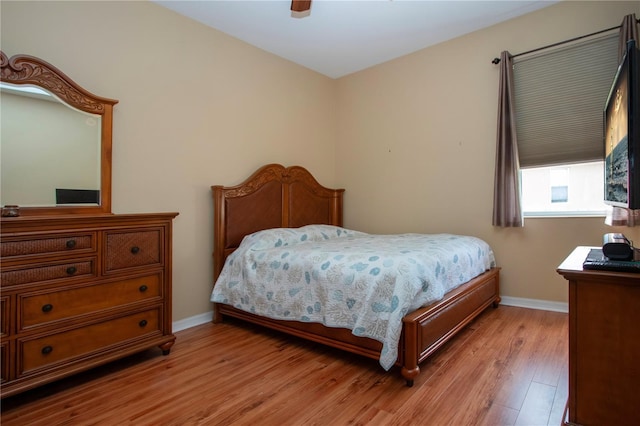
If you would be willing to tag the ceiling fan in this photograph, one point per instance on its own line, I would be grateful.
(300, 5)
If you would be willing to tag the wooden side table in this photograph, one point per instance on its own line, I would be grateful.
(604, 344)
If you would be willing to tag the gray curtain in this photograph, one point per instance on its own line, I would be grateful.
(507, 211)
(628, 31)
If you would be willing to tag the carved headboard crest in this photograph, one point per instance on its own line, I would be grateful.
(284, 175)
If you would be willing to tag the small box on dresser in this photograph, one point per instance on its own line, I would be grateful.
(79, 291)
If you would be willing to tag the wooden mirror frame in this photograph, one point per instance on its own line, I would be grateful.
(25, 69)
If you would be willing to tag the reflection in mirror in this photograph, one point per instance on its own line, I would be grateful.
(55, 144)
(46, 146)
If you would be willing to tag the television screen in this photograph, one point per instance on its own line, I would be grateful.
(621, 135)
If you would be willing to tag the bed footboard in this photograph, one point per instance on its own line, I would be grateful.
(427, 329)
(424, 331)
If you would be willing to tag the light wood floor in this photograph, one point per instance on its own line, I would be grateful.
(507, 367)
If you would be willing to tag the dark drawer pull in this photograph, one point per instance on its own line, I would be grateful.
(47, 350)
(135, 250)
(143, 288)
(47, 308)
(143, 323)
(71, 244)
(71, 270)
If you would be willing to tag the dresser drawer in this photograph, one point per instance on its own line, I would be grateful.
(50, 244)
(48, 350)
(51, 271)
(41, 308)
(131, 249)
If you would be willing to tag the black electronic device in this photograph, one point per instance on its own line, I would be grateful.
(617, 247)
(597, 261)
(77, 196)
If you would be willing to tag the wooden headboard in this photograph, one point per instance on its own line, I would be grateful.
(273, 197)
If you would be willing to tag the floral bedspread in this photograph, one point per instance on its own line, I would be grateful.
(349, 279)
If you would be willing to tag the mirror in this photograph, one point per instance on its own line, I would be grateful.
(55, 143)
(38, 133)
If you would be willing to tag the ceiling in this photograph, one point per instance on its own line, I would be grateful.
(339, 37)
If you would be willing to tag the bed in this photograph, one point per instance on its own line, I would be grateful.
(288, 202)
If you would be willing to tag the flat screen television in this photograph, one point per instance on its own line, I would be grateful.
(622, 134)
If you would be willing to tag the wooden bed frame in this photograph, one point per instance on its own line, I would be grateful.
(278, 197)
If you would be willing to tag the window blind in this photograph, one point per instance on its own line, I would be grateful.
(559, 102)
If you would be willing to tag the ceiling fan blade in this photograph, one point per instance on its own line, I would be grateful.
(300, 5)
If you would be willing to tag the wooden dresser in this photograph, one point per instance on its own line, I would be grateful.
(604, 344)
(81, 290)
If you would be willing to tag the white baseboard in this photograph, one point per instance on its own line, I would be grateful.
(192, 321)
(545, 305)
(520, 302)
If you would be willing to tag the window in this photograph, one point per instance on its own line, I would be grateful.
(559, 184)
(574, 189)
(559, 99)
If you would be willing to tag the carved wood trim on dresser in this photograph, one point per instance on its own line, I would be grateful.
(79, 291)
